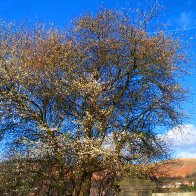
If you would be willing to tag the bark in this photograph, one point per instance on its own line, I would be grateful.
(86, 186)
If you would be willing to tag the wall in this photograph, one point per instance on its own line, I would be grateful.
(175, 194)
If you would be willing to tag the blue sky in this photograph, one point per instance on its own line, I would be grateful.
(179, 14)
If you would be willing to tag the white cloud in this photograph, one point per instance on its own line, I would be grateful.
(182, 135)
(186, 155)
(182, 140)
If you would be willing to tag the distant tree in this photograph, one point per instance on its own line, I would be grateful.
(88, 100)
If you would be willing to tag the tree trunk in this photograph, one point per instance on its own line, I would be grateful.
(86, 186)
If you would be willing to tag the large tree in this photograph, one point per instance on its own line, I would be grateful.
(88, 100)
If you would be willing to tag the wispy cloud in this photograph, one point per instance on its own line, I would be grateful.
(186, 19)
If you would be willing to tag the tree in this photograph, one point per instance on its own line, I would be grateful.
(88, 100)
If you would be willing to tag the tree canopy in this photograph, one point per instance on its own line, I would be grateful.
(87, 100)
